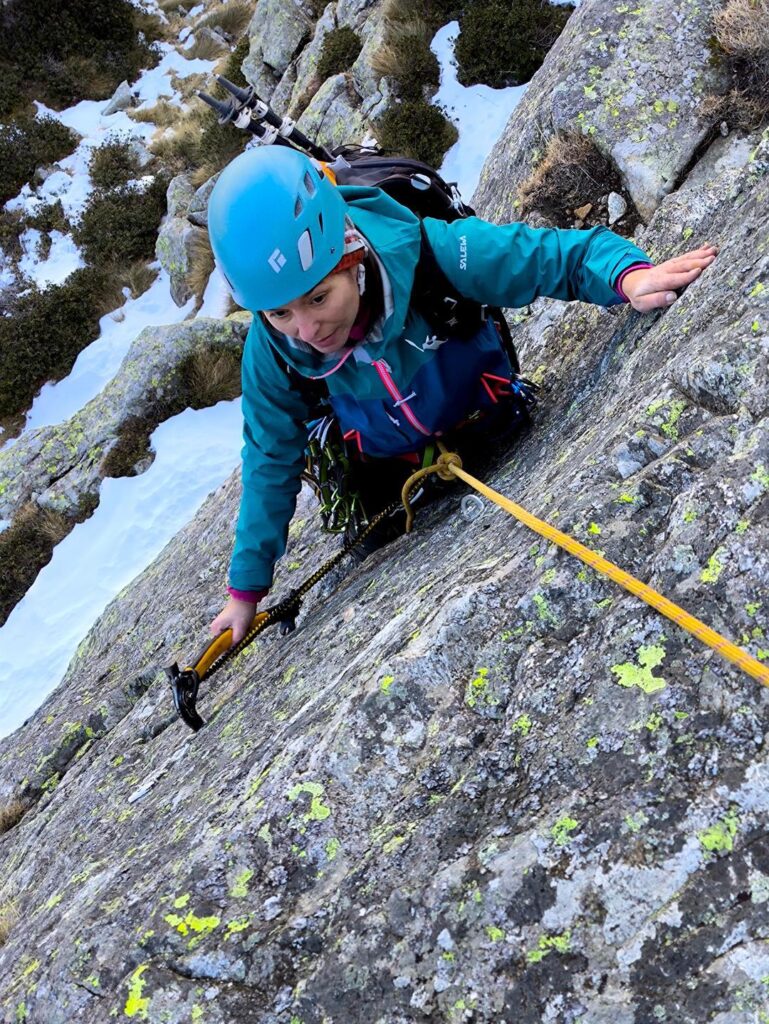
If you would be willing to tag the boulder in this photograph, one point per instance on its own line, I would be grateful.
(632, 79)
(122, 99)
(177, 243)
(334, 113)
(277, 31)
(198, 208)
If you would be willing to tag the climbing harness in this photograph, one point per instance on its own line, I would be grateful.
(449, 465)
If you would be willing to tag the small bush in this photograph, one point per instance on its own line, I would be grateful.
(11, 226)
(120, 225)
(416, 129)
(572, 172)
(11, 814)
(503, 42)
(742, 40)
(9, 918)
(113, 163)
(341, 48)
(50, 217)
(45, 331)
(131, 447)
(26, 144)
(406, 57)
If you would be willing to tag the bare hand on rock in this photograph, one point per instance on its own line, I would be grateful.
(655, 287)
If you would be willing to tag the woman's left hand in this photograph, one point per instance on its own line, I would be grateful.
(653, 287)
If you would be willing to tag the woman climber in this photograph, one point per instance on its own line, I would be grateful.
(329, 273)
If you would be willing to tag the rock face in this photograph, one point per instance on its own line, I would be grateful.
(59, 466)
(479, 782)
(632, 78)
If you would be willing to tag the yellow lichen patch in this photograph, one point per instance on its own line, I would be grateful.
(192, 923)
(137, 1004)
(640, 675)
(239, 888)
(318, 810)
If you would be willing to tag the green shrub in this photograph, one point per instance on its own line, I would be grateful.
(50, 218)
(46, 330)
(120, 225)
(415, 129)
(26, 144)
(233, 68)
(406, 57)
(113, 163)
(65, 50)
(503, 42)
(339, 52)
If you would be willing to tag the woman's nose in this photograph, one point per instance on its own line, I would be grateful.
(308, 327)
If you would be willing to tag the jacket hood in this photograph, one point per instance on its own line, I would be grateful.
(392, 231)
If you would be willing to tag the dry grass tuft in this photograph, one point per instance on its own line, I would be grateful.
(206, 47)
(11, 814)
(163, 114)
(572, 172)
(9, 918)
(742, 38)
(53, 525)
(400, 35)
(212, 377)
(232, 18)
(201, 263)
(137, 278)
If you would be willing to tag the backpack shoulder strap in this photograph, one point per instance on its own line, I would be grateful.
(445, 308)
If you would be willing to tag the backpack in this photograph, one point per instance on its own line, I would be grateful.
(423, 191)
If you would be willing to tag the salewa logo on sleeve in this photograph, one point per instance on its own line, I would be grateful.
(277, 261)
(463, 252)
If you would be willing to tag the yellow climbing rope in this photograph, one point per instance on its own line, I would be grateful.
(450, 465)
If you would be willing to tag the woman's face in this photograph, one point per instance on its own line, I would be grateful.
(323, 317)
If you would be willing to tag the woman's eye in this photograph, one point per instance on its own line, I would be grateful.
(318, 299)
(277, 314)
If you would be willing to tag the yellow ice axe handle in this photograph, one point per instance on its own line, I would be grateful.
(216, 648)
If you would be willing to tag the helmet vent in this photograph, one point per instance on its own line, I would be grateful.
(306, 253)
(298, 207)
(309, 184)
(320, 222)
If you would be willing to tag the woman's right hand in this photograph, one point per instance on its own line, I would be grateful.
(236, 615)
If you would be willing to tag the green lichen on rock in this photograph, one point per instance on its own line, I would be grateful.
(137, 1004)
(562, 829)
(719, 838)
(318, 811)
(640, 675)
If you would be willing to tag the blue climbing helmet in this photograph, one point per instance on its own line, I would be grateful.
(276, 225)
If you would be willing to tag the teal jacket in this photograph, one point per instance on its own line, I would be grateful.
(402, 384)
